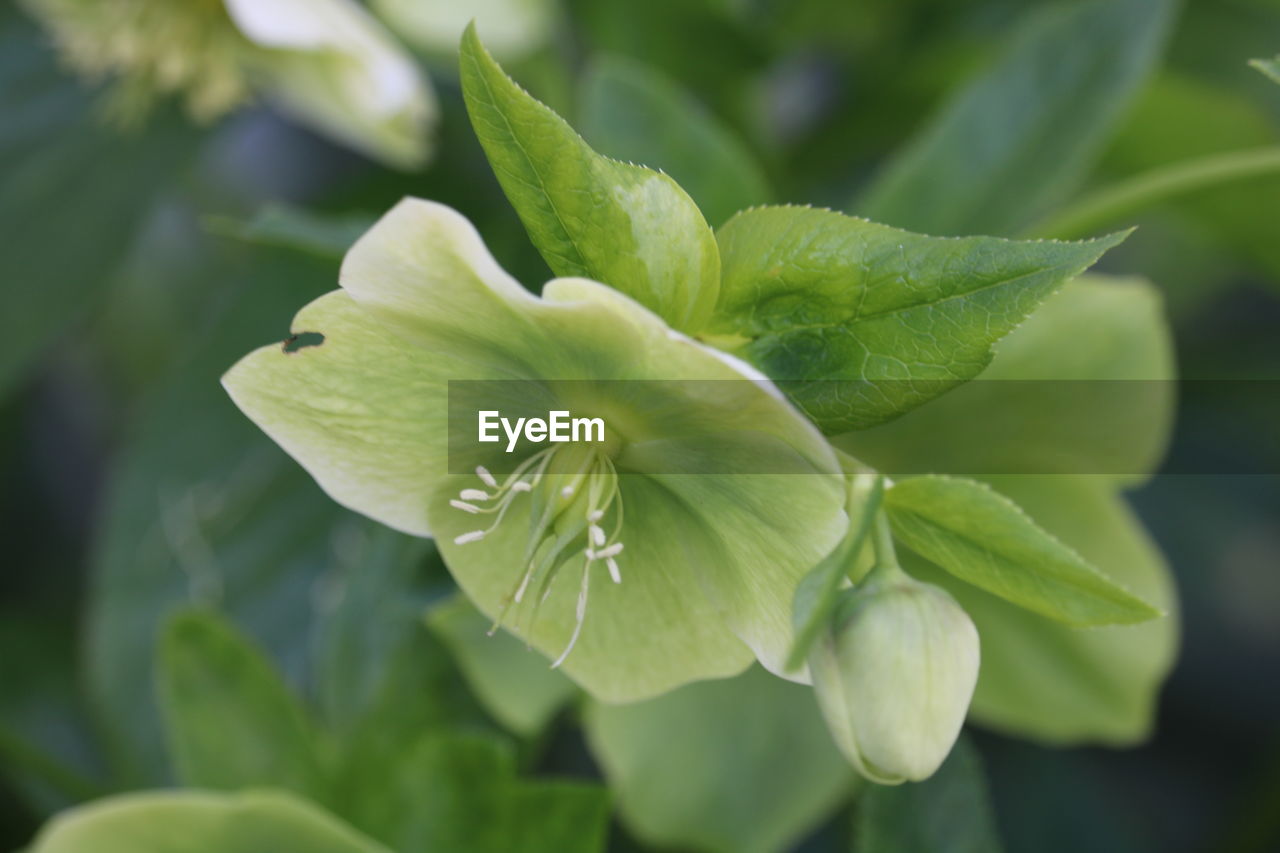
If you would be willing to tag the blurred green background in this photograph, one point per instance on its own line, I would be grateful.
(137, 265)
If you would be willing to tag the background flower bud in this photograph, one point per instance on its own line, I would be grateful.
(894, 675)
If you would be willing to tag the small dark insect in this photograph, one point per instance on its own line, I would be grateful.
(302, 340)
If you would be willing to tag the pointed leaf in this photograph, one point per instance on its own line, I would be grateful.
(1269, 67)
(232, 722)
(985, 539)
(861, 322)
(626, 226)
(1021, 136)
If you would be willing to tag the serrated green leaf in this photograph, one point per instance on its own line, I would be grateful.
(860, 322)
(948, 813)
(985, 539)
(1020, 136)
(514, 682)
(625, 226)
(742, 764)
(232, 722)
(1048, 405)
(1269, 67)
(632, 112)
(198, 822)
(1063, 685)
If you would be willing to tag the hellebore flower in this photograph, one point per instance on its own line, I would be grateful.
(328, 63)
(667, 553)
(894, 676)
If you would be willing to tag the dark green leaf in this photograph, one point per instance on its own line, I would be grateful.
(284, 226)
(1017, 139)
(861, 322)
(626, 226)
(74, 196)
(232, 722)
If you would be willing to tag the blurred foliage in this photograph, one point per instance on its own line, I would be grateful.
(136, 267)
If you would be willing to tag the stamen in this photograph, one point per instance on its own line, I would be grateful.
(465, 507)
(581, 615)
(613, 569)
(473, 536)
(483, 473)
(474, 495)
(595, 515)
(521, 486)
(566, 492)
(597, 534)
(612, 551)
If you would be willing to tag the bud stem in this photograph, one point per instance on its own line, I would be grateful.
(886, 564)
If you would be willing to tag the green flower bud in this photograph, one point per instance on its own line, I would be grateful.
(894, 675)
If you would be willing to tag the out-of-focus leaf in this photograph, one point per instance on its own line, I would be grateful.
(1048, 405)
(232, 722)
(460, 792)
(72, 197)
(194, 822)
(860, 322)
(203, 509)
(1065, 685)
(629, 227)
(515, 683)
(1016, 140)
(742, 764)
(284, 226)
(1269, 67)
(985, 539)
(948, 813)
(631, 112)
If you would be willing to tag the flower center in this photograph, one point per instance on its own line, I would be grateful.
(575, 509)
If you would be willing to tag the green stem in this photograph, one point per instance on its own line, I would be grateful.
(1104, 207)
(882, 542)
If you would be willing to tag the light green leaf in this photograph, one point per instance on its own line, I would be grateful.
(985, 539)
(75, 196)
(1269, 67)
(1065, 685)
(460, 792)
(1018, 138)
(742, 765)
(232, 722)
(514, 683)
(861, 322)
(285, 226)
(632, 112)
(948, 813)
(1048, 405)
(195, 822)
(626, 226)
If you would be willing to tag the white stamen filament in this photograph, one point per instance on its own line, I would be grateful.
(472, 536)
(613, 569)
(567, 492)
(464, 506)
(521, 486)
(612, 551)
(597, 535)
(474, 495)
(483, 473)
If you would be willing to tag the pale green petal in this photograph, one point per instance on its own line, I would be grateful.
(198, 822)
(329, 63)
(362, 412)
(1070, 685)
(742, 765)
(642, 637)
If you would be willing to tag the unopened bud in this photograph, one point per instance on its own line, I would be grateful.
(894, 674)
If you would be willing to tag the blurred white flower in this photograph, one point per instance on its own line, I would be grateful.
(511, 28)
(327, 63)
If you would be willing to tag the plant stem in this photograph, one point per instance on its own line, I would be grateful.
(1104, 207)
(52, 772)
